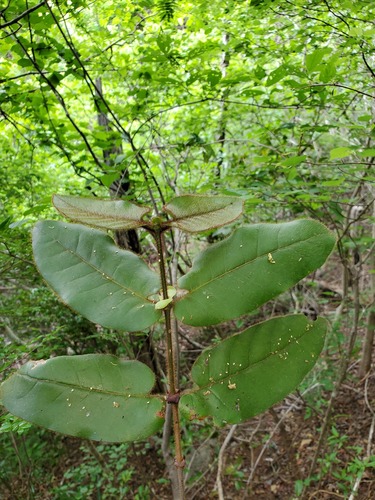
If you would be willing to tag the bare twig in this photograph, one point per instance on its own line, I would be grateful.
(340, 86)
(12, 336)
(220, 461)
(330, 493)
(279, 423)
(21, 16)
(99, 457)
(341, 376)
(371, 433)
(358, 480)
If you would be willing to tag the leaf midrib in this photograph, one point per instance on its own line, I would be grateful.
(273, 353)
(99, 214)
(199, 214)
(233, 269)
(100, 271)
(87, 389)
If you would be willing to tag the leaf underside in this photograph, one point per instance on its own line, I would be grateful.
(250, 267)
(94, 396)
(249, 372)
(199, 213)
(94, 277)
(104, 214)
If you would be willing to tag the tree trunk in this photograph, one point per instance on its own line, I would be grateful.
(367, 348)
(124, 239)
(141, 346)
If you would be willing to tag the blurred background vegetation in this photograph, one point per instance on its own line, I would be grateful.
(270, 100)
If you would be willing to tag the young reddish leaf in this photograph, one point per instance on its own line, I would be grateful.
(200, 213)
(104, 214)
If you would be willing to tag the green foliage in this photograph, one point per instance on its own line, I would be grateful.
(236, 379)
(334, 463)
(166, 9)
(10, 423)
(90, 478)
(268, 100)
(296, 86)
(92, 276)
(73, 258)
(255, 263)
(71, 394)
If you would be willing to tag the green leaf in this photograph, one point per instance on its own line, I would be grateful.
(105, 284)
(95, 396)
(338, 153)
(105, 214)
(5, 223)
(328, 71)
(162, 304)
(200, 213)
(247, 373)
(315, 58)
(293, 161)
(24, 63)
(108, 179)
(333, 182)
(367, 152)
(213, 77)
(277, 75)
(171, 291)
(253, 265)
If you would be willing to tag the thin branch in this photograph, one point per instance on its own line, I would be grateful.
(358, 480)
(9, 78)
(220, 461)
(338, 16)
(21, 16)
(330, 493)
(9, 253)
(61, 101)
(329, 25)
(372, 73)
(16, 126)
(343, 368)
(59, 144)
(339, 85)
(10, 333)
(371, 432)
(216, 99)
(119, 40)
(271, 434)
(96, 92)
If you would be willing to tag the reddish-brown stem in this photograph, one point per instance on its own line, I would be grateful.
(173, 386)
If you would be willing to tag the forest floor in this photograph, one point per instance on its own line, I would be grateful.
(268, 458)
(264, 459)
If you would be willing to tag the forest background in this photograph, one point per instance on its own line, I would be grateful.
(272, 101)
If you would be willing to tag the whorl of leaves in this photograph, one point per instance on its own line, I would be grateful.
(166, 9)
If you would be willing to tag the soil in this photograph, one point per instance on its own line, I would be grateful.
(263, 460)
(270, 457)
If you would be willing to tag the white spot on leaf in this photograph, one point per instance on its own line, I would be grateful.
(271, 259)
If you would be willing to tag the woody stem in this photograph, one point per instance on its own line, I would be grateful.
(172, 379)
